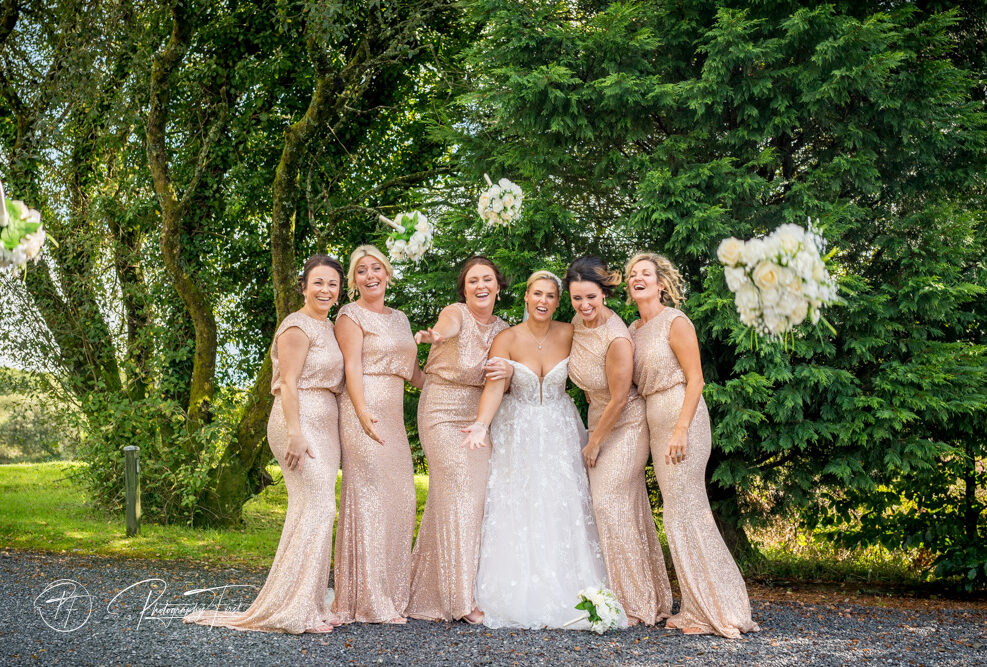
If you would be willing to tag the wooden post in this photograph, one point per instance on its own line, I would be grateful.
(132, 466)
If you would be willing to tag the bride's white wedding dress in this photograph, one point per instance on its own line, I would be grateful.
(539, 545)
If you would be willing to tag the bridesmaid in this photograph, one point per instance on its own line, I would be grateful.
(602, 365)
(377, 502)
(668, 372)
(447, 552)
(303, 433)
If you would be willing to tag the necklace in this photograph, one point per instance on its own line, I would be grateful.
(543, 338)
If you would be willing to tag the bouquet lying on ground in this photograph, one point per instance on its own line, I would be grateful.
(601, 607)
(21, 233)
(411, 238)
(500, 203)
(779, 280)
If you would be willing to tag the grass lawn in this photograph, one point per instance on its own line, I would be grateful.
(42, 508)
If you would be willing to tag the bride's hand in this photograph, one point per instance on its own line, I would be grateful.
(498, 369)
(367, 421)
(476, 435)
(429, 336)
(590, 452)
(675, 453)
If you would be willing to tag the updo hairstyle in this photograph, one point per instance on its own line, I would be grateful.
(592, 269)
(314, 261)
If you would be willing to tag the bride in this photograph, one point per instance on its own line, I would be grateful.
(539, 546)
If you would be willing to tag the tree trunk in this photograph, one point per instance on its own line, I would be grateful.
(173, 221)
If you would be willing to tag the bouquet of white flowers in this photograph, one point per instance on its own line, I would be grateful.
(779, 280)
(411, 238)
(602, 609)
(21, 233)
(500, 203)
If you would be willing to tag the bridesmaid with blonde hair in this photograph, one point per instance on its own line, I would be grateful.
(602, 365)
(447, 552)
(377, 502)
(303, 433)
(668, 373)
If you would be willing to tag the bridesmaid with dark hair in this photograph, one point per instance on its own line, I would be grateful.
(602, 365)
(669, 373)
(303, 433)
(447, 552)
(377, 502)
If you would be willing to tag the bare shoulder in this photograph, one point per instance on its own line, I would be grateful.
(564, 329)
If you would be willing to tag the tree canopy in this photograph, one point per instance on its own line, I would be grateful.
(188, 156)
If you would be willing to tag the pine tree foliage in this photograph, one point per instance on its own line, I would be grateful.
(671, 125)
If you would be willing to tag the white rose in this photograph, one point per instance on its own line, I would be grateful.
(789, 237)
(494, 191)
(493, 218)
(747, 298)
(25, 212)
(504, 184)
(772, 248)
(497, 205)
(774, 321)
(400, 246)
(754, 251)
(797, 314)
(766, 274)
(736, 278)
(819, 271)
(803, 263)
(731, 251)
(814, 315)
(771, 296)
(747, 316)
(423, 226)
(507, 200)
(786, 276)
(484, 202)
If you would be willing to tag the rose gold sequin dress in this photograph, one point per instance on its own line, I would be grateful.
(377, 502)
(714, 597)
(631, 550)
(447, 552)
(293, 598)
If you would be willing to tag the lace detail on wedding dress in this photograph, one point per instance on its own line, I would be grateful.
(540, 545)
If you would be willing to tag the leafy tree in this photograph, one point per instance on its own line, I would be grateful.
(673, 125)
(200, 151)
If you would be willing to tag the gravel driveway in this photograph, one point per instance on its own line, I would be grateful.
(80, 610)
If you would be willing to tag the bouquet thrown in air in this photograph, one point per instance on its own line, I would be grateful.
(779, 280)
(500, 203)
(601, 609)
(21, 233)
(411, 238)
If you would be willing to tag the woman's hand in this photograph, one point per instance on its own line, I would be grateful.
(429, 336)
(476, 435)
(675, 452)
(497, 368)
(367, 421)
(590, 452)
(294, 458)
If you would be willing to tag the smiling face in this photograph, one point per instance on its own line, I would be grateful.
(370, 277)
(542, 298)
(322, 289)
(643, 283)
(587, 299)
(481, 288)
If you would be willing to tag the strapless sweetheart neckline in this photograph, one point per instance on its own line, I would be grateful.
(527, 368)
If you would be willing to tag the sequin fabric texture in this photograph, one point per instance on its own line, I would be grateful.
(631, 550)
(293, 596)
(539, 545)
(377, 501)
(714, 596)
(446, 554)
